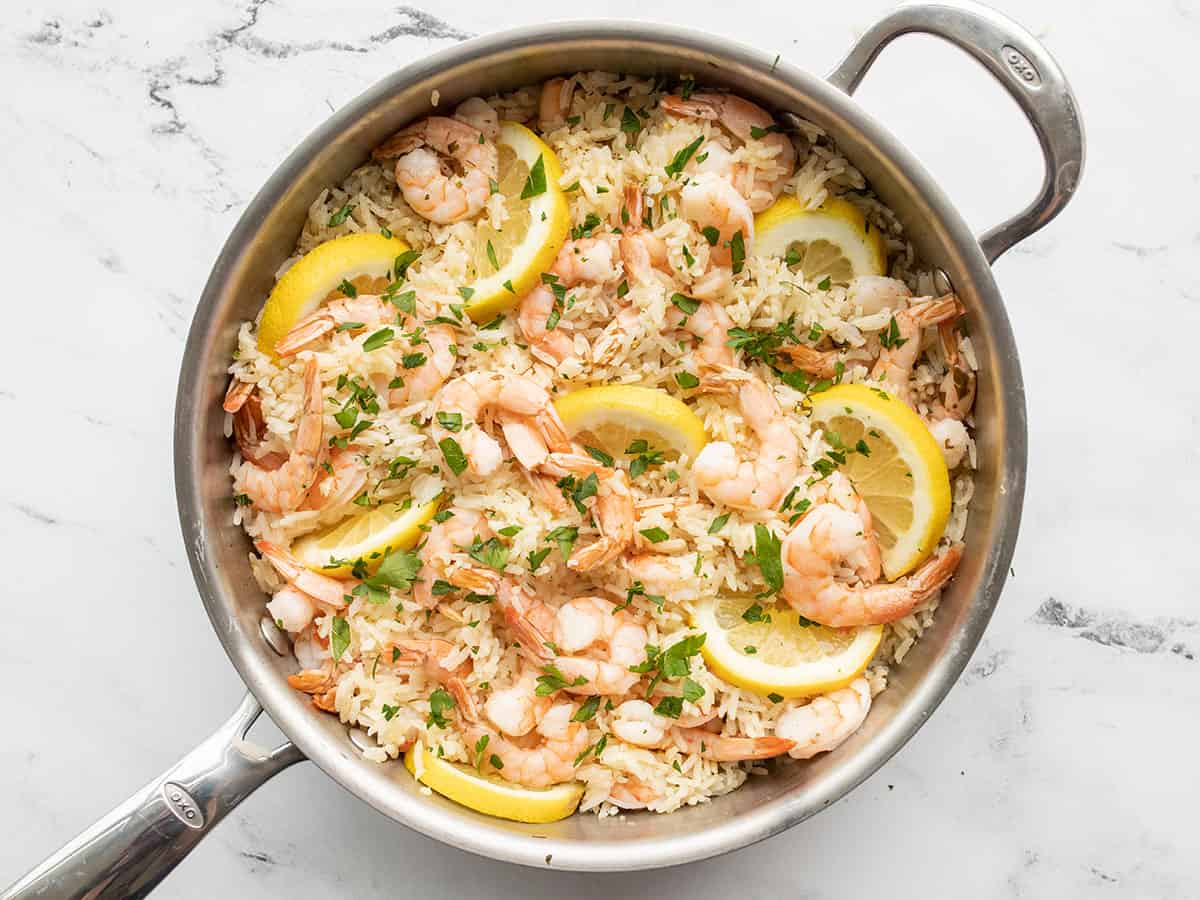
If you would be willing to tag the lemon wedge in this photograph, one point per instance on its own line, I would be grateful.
(317, 274)
(367, 537)
(769, 649)
(508, 262)
(492, 796)
(902, 478)
(613, 417)
(834, 240)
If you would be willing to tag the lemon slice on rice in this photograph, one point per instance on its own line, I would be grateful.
(834, 240)
(508, 262)
(490, 795)
(902, 477)
(368, 537)
(611, 418)
(317, 274)
(769, 649)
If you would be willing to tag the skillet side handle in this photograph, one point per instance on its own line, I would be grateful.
(1025, 69)
(130, 850)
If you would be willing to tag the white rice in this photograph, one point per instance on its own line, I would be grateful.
(594, 154)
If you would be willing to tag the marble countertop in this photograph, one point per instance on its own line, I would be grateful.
(132, 135)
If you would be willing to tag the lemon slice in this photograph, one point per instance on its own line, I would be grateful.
(490, 795)
(367, 537)
(903, 480)
(769, 649)
(611, 418)
(317, 274)
(833, 240)
(532, 234)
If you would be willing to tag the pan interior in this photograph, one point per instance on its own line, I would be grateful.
(266, 235)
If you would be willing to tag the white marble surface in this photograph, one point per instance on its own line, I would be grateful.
(133, 133)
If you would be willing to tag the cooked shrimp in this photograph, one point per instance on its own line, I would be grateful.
(534, 320)
(550, 761)
(710, 201)
(529, 619)
(711, 324)
(430, 656)
(438, 345)
(353, 314)
(821, 363)
(728, 749)
(825, 721)
(591, 622)
(635, 722)
(320, 683)
(830, 536)
(632, 793)
(613, 509)
(578, 261)
(339, 481)
(749, 123)
(894, 366)
(445, 539)
(469, 395)
(425, 150)
(517, 709)
(713, 283)
(875, 293)
(555, 103)
(291, 609)
(671, 576)
(321, 588)
(243, 402)
(585, 675)
(479, 114)
(285, 488)
(761, 482)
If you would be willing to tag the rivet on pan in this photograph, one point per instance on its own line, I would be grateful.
(275, 636)
(360, 739)
(941, 282)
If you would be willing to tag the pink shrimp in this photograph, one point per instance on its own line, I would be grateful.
(826, 721)
(284, 489)
(446, 539)
(613, 509)
(353, 314)
(838, 532)
(322, 589)
(750, 484)
(430, 656)
(749, 123)
(894, 366)
(426, 150)
(551, 760)
(520, 398)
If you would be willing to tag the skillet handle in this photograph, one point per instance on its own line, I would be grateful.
(1025, 69)
(129, 851)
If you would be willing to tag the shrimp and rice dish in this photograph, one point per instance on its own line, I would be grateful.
(569, 441)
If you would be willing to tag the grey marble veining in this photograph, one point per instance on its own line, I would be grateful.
(1063, 764)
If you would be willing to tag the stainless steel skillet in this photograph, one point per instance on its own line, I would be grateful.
(129, 851)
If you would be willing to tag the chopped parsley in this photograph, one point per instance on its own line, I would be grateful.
(380, 338)
(552, 680)
(440, 702)
(535, 183)
(718, 523)
(645, 456)
(654, 535)
(676, 165)
(890, 338)
(686, 380)
(453, 454)
(341, 215)
(767, 556)
(339, 637)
